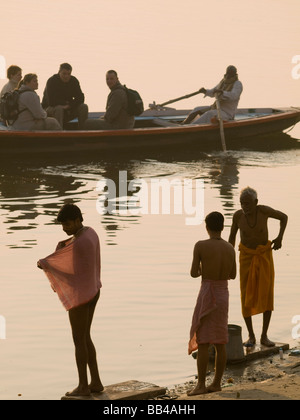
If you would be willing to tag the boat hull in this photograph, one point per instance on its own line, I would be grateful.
(206, 136)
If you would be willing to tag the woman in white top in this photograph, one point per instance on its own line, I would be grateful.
(31, 114)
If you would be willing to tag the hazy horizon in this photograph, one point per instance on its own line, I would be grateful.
(163, 49)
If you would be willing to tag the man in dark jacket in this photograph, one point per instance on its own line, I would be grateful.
(63, 98)
(116, 116)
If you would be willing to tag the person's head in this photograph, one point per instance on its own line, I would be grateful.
(111, 78)
(231, 71)
(70, 217)
(248, 200)
(14, 73)
(64, 72)
(214, 222)
(30, 80)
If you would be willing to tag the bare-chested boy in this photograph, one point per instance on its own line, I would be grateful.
(256, 261)
(214, 259)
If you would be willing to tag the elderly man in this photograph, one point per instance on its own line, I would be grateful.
(228, 92)
(63, 98)
(116, 115)
(256, 261)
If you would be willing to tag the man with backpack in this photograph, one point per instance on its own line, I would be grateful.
(117, 115)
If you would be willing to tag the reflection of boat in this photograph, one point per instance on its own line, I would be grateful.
(247, 123)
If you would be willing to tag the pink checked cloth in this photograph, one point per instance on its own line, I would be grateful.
(210, 318)
(74, 269)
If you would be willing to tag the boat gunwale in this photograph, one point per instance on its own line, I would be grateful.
(282, 113)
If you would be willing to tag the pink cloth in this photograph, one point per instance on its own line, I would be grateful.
(210, 318)
(74, 269)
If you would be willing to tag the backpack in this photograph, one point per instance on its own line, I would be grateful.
(9, 105)
(135, 102)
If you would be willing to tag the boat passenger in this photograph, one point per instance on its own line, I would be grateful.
(14, 75)
(63, 98)
(116, 115)
(228, 92)
(31, 114)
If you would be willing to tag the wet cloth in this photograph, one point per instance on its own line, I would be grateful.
(256, 279)
(74, 269)
(210, 318)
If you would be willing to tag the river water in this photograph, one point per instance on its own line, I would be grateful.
(141, 324)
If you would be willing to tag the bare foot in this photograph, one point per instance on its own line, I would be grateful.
(250, 342)
(96, 388)
(214, 388)
(79, 392)
(197, 391)
(266, 342)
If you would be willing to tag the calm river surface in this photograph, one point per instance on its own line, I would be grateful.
(141, 325)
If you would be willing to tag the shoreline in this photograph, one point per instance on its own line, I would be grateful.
(270, 378)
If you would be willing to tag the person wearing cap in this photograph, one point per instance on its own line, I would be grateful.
(228, 92)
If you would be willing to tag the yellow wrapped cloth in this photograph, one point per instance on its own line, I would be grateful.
(256, 279)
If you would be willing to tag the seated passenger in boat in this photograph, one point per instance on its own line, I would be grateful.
(63, 98)
(116, 115)
(228, 91)
(14, 75)
(31, 114)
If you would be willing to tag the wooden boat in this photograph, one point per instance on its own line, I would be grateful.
(248, 123)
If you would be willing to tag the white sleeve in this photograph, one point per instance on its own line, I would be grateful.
(210, 92)
(234, 93)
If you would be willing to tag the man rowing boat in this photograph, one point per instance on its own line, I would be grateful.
(228, 92)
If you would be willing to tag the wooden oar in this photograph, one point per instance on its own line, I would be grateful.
(221, 124)
(154, 105)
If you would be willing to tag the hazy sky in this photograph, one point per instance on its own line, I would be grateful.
(163, 48)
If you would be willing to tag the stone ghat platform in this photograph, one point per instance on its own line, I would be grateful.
(259, 351)
(129, 390)
(136, 390)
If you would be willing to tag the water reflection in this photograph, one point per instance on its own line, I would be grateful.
(31, 188)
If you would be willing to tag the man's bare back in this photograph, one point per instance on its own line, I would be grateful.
(214, 259)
